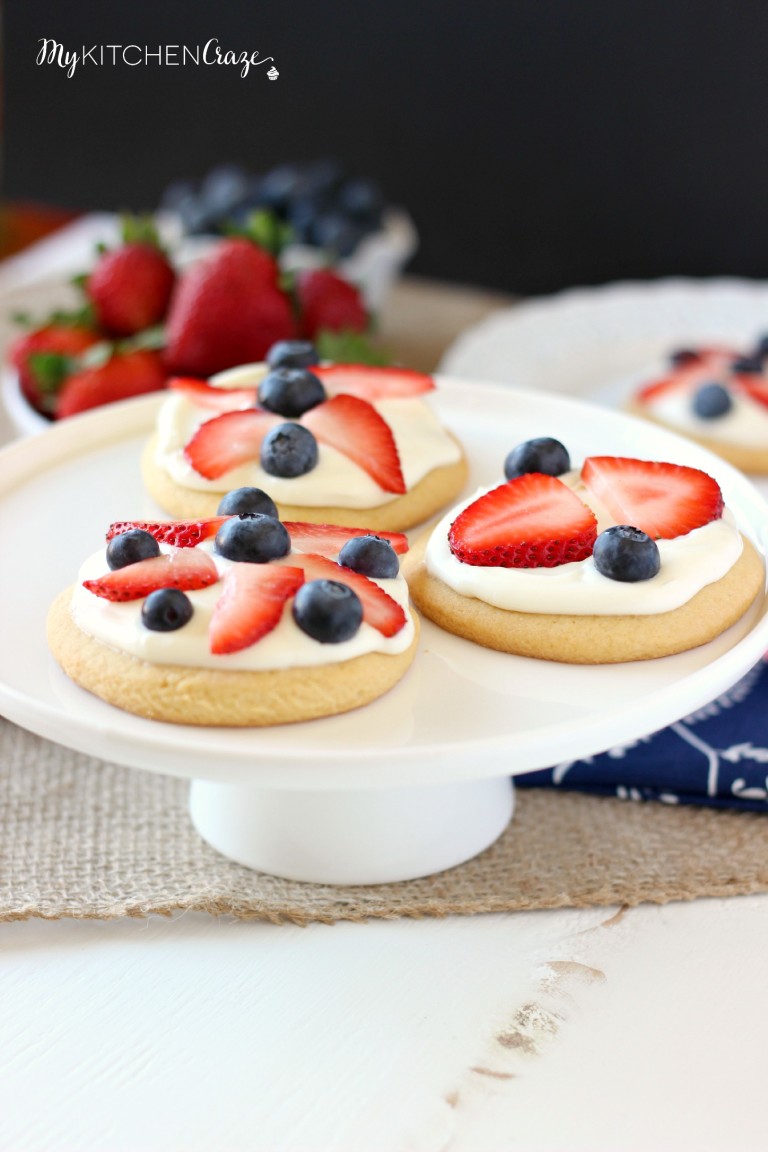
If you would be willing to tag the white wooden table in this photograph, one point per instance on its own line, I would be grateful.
(601, 1030)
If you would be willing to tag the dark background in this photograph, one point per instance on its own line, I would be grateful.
(537, 144)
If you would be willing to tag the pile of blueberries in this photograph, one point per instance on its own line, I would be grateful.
(323, 204)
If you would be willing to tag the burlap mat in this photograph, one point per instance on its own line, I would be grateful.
(83, 838)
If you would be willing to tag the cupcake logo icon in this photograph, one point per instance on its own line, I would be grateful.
(273, 73)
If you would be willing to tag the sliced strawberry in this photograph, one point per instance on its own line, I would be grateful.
(206, 395)
(753, 384)
(664, 500)
(185, 569)
(533, 521)
(251, 604)
(224, 442)
(354, 427)
(379, 609)
(709, 364)
(371, 383)
(329, 539)
(180, 533)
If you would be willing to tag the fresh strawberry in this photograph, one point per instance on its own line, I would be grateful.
(327, 301)
(186, 569)
(225, 441)
(329, 539)
(251, 604)
(44, 356)
(179, 533)
(373, 383)
(121, 376)
(354, 427)
(379, 609)
(533, 521)
(130, 288)
(206, 395)
(227, 309)
(664, 500)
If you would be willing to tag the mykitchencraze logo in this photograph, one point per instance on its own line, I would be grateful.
(142, 55)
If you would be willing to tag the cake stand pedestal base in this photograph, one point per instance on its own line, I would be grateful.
(373, 836)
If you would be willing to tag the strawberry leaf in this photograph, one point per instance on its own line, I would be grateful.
(349, 347)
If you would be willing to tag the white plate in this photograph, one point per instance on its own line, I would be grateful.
(578, 342)
(462, 712)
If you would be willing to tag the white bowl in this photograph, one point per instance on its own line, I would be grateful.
(23, 419)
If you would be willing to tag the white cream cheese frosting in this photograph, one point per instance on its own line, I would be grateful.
(422, 442)
(688, 564)
(119, 626)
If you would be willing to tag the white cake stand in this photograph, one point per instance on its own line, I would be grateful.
(420, 780)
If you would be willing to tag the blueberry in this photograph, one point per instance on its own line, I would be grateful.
(253, 538)
(627, 554)
(278, 188)
(683, 356)
(747, 364)
(327, 610)
(542, 454)
(761, 347)
(293, 354)
(223, 187)
(363, 200)
(371, 556)
(711, 400)
(247, 500)
(130, 547)
(166, 610)
(337, 233)
(288, 450)
(291, 391)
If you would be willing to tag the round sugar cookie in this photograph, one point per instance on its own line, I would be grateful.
(202, 696)
(436, 490)
(588, 639)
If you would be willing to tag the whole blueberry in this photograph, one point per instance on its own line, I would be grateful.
(293, 354)
(130, 547)
(682, 356)
(166, 610)
(327, 610)
(288, 450)
(542, 454)
(253, 538)
(711, 400)
(337, 233)
(627, 554)
(761, 347)
(247, 500)
(290, 391)
(371, 556)
(363, 200)
(750, 364)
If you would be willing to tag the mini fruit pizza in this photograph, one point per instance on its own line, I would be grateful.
(716, 396)
(333, 443)
(619, 560)
(241, 619)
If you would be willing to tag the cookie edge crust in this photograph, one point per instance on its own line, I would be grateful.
(753, 460)
(434, 491)
(207, 697)
(589, 639)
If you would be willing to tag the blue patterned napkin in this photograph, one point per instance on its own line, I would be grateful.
(717, 756)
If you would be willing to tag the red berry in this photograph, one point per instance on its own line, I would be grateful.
(179, 533)
(372, 383)
(251, 604)
(58, 340)
(122, 376)
(228, 309)
(663, 500)
(354, 427)
(187, 569)
(328, 301)
(225, 441)
(379, 609)
(532, 521)
(329, 539)
(130, 288)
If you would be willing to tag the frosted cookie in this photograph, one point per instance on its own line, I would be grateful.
(238, 620)
(620, 560)
(716, 396)
(333, 443)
